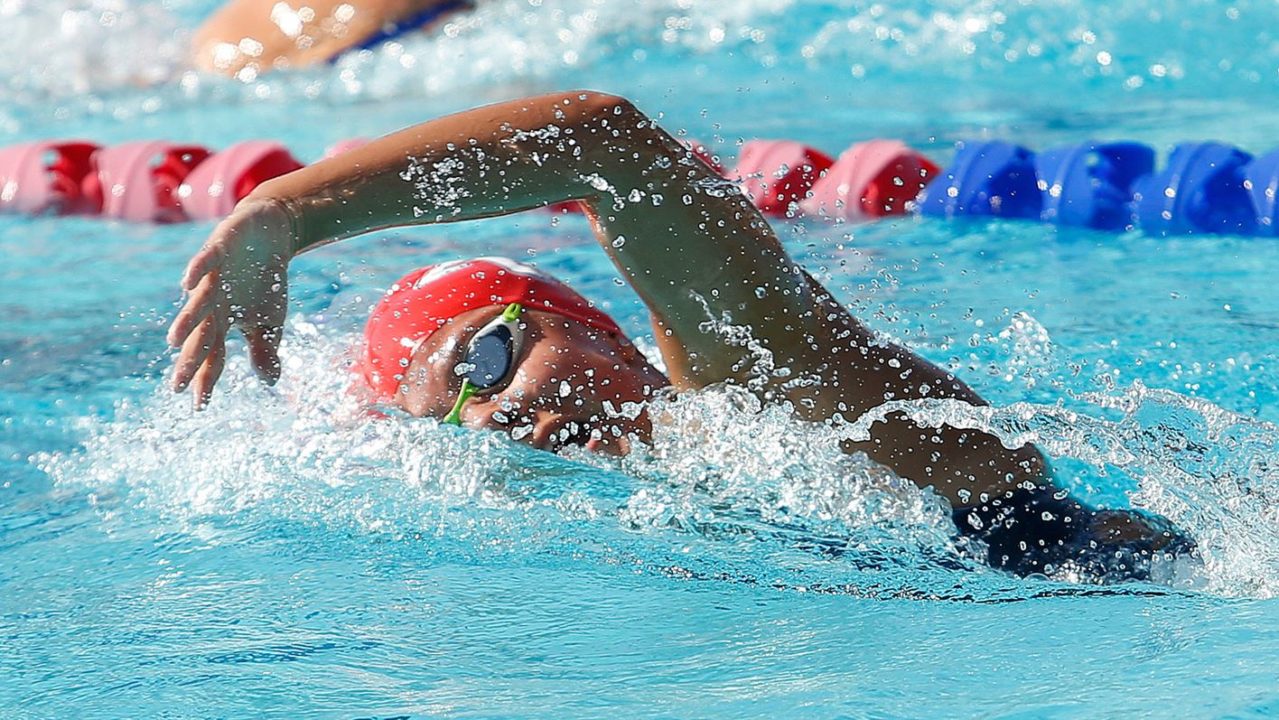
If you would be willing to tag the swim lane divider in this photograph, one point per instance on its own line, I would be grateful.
(1205, 187)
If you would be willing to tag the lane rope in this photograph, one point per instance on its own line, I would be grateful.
(1204, 187)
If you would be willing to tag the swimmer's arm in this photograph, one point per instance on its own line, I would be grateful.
(690, 244)
(686, 239)
(268, 34)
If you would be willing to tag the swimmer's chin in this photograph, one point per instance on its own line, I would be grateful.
(616, 447)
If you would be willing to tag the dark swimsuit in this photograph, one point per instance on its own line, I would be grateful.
(1034, 532)
(390, 31)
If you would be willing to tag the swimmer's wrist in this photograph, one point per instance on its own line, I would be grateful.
(293, 213)
(315, 218)
(297, 228)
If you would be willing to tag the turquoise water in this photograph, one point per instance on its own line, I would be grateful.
(283, 555)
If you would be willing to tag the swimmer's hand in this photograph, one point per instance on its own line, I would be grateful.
(240, 278)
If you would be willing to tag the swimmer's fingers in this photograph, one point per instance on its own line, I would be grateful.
(207, 376)
(195, 351)
(264, 351)
(209, 258)
(199, 304)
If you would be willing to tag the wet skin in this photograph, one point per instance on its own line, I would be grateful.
(572, 383)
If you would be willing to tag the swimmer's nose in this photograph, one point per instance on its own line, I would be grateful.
(553, 430)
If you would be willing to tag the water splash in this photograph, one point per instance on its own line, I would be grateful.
(722, 450)
(758, 494)
(121, 46)
(1030, 350)
(57, 51)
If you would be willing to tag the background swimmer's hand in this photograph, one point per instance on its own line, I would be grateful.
(240, 278)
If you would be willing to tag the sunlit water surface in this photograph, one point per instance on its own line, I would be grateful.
(285, 554)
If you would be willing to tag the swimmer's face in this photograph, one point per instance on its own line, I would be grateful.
(571, 384)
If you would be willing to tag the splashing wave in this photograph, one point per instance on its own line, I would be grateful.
(727, 489)
(61, 50)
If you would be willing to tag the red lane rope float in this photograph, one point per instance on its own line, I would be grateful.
(138, 181)
(777, 174)
(217, 184)
(160, 181)
(143, 181)
(871, 179)
(47, 177)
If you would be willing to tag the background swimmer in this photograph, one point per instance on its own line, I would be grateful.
(723, 294)
(263, 35)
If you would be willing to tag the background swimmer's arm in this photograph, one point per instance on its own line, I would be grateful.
(693, 248)
(266, 34)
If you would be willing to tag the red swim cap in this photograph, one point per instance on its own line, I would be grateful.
(424, 300)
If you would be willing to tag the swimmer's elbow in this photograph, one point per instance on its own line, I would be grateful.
(594, 105)
(215, 49)
(202, 50)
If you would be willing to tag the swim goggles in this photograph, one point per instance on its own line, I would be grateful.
(490, 359)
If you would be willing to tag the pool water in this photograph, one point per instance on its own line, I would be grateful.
(285, 555)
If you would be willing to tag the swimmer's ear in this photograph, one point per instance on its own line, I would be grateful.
(264, 352)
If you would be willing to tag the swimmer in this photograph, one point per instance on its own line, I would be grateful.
(257, 36)
(492, 344)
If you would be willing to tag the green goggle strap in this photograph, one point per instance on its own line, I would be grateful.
(510, 314)
(455, 415)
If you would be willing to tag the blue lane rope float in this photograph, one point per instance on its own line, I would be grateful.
(1261, 178)
(1201, 190)
(987, 178)
(1090, 184)
(1206, 187)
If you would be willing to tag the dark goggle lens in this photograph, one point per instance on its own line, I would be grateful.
(491, 355)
